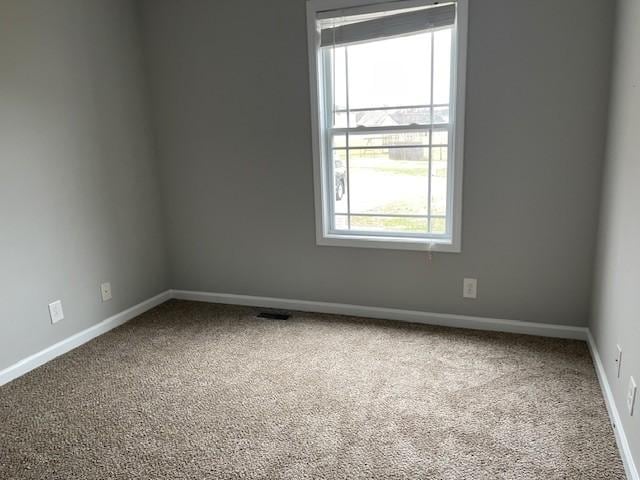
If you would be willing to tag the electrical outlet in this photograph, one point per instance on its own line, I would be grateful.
(105, 289)
(55, 311)
(631, 395)
(470, 288)
(619, 359)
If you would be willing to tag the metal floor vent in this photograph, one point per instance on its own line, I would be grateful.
(274, 315)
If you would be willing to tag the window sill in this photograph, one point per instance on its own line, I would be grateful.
(391, 243)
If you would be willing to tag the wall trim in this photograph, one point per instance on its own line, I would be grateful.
(614, 414)
(412, 316)
(40, 358)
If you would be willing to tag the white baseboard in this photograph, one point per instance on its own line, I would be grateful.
(412, 316)
(26, 365)
(614, 415)
(461, 321)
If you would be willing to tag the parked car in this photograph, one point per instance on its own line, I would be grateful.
(339, 173)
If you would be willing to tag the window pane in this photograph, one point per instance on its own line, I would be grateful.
(340, 119)
(440, 115)
(388, 181)
(438, 225)
(440, 137)
(441, 65)
(391, 72)
(391, 156)
(383, 117)
(340, 195)
(341, 222)
(439, 153)
(339, 78)
(438, 188)
(390, 224)
(381, 139)
(391, 117)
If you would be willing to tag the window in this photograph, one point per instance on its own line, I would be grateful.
(387, 86)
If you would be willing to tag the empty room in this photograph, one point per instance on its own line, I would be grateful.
(319, 239)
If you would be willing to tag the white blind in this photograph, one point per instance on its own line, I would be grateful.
(386, 26)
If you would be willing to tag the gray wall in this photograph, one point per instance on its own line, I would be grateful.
(241, 215)
(79, 200)
(616, 315)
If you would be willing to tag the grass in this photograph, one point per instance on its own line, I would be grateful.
(418, 225)
(400, 170)
(400, 207)
(412, 204)
(399, 167)
(396, 224)
(392, 167)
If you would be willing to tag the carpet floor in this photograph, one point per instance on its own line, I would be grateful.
(199, 391)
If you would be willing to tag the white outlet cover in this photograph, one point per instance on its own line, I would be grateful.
(105, 289)
(619, 359)
(631, 395)
(55, 311)
(470, 288)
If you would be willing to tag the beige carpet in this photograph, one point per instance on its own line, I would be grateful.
(197, 391)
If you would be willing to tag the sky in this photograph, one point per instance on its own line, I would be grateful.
(394, 72)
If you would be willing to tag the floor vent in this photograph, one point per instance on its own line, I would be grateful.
(274, 315)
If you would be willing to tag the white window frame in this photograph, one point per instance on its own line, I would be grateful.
(323, 190)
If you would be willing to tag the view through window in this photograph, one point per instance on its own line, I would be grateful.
(386, 78)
